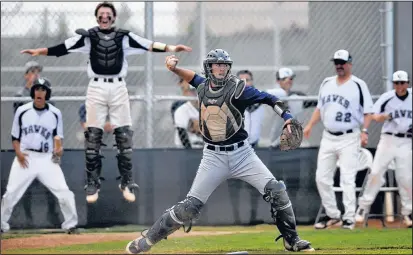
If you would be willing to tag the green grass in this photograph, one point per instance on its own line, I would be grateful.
(336, 241)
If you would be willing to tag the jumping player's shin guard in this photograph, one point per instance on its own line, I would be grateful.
(170, 221)
(93, 142)
(283, 215)
(123, 137)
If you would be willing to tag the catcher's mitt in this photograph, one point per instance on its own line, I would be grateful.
(291, 141)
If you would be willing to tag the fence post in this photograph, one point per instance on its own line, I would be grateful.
(149, 75)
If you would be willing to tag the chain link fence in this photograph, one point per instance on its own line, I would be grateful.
(260, 36)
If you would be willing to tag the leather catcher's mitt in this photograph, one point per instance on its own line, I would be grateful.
(291, 141)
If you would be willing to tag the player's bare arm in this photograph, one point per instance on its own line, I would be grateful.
(35, 52)
(172, 62)
(364, 132)
(382, 117)
(163, 47)
(21, 156)
(315, 118)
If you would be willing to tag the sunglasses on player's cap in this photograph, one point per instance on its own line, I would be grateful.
(400, 77)
(341, 57)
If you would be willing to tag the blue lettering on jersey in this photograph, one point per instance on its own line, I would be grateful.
(36, 129)
(401, 114)
(335, 99)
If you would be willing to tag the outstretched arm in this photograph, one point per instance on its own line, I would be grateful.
(76, 43)
(163, 47)
(136, 44)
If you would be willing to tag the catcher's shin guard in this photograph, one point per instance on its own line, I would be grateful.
(123, 137)
(170, 221)
(93, 142)
(283, 215)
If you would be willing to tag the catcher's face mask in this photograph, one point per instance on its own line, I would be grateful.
(105, 18)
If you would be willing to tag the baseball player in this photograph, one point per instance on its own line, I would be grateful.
(107, 94)
(344, 104)
(394, 108)
(285, 80)
(227, 154)
(186, 91)
(32, 71)
(36, 134)
(187, 133)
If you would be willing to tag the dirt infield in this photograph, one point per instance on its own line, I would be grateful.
(55, 240)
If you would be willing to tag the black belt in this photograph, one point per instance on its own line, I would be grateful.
(224, 148)
(399, 135)
(341, 133)
(38, 150)
(107, 79)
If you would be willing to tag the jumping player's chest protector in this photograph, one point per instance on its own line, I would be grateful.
(219, 119)
(106, 53)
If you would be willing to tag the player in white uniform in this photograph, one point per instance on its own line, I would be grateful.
(394, 108)
(107, 94)
(285, 81)
(36, 125)
(187, 133)
(344, 104)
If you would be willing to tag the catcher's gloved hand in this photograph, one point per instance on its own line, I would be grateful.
(291, 140)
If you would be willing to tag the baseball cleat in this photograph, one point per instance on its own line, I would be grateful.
(92, 189)
(407, 220)
(73, 231)
(137, 246)
(128, 191)
(296, 245)
(326, 222)
(348, 224)
(361, 215)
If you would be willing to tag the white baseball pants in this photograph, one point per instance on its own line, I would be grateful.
(346, 148)
(50, 174)
(400, 150)
(107, 99)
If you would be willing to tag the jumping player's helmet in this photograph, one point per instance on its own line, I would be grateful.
(217, 56)
(42, 82)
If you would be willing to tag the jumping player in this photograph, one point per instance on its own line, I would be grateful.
(394, 108)
(223, 99)
(36, 125)
(107, 94)
(344, 104)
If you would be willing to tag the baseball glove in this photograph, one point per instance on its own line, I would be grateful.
(291, 141)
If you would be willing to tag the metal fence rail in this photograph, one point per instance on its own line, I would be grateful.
(260, 36)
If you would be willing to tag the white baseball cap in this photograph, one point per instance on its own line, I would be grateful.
(400, 76)
(342, 55)
(284, 73)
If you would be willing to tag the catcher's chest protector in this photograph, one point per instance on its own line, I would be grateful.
(219, 120)
(106, 54)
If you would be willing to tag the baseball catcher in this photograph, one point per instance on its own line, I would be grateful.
(107, 94)
(227, 153)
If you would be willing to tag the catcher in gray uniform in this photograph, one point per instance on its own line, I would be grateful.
(222, 99)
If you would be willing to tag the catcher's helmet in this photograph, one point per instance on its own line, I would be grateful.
(217, 56)
(42, 82)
